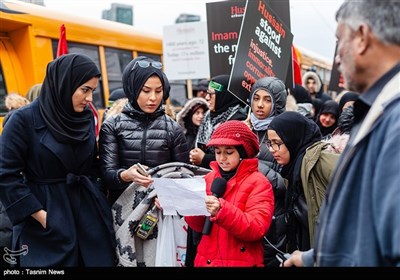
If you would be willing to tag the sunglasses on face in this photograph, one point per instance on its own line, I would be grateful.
(145, 64)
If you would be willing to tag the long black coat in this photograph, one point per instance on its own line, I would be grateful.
(37, 172)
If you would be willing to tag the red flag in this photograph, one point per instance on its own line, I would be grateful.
(96, 118)
(63, 49)
(62, 42)
(296, 67)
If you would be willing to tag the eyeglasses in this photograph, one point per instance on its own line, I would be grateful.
(210, 92)
(145, 64)
(275, 146)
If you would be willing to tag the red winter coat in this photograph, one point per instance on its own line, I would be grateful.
(247, 206)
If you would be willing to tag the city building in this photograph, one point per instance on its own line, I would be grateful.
(119, 13)
(37, 2)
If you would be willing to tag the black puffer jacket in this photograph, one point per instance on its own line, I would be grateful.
(132, 137)
(275, 238)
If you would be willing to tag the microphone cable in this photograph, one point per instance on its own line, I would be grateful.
(281, 256)
(274, 247)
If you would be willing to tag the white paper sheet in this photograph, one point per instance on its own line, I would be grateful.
(185, 196)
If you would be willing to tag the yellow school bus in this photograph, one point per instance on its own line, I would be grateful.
(29, 37)
(310, 60)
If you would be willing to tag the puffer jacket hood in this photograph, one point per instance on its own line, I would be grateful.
(313, 75)
(187, 109)
(275, 87)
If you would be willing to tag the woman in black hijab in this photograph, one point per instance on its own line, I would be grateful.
(141, 133)
(223, 106)
(48, 175)
(327, 119)
(289, 135)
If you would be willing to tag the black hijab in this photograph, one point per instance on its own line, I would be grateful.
(317, 104)
(134, 77)
(301, 94)
(63, 76)
(331, 107)
(298, 133)
(348, 96)
(223, 99)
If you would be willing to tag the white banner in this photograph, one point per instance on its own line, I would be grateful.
(185, 51)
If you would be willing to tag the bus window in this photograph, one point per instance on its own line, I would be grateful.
(3, 94)
(116, 60)
(93, 53)
(29, 41)
(178, 93)
(149, 55)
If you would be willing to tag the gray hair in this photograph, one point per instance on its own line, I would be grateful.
(382, 16)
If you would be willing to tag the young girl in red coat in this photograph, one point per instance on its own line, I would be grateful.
(241, 214)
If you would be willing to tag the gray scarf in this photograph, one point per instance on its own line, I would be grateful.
(208, 125)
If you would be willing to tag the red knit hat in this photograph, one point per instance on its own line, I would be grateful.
(235, 133)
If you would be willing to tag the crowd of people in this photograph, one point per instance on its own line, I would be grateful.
(293, 171)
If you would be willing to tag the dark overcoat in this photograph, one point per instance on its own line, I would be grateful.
(38, 172)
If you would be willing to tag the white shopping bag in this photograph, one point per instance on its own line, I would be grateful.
(171, 241)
